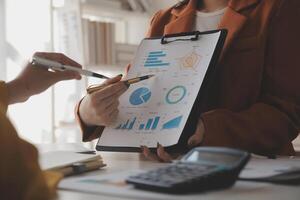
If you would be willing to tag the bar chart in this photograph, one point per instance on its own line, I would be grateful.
(151, 124)
(155, 59)
(128, 125)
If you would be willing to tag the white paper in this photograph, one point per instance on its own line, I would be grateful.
(263, 167)
(110, 184)
(156, 110)
(58, 159)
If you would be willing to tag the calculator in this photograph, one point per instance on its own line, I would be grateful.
(201, 169)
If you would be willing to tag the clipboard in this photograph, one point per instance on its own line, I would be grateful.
(108, 142)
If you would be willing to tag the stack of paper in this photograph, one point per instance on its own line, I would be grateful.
(70, 163)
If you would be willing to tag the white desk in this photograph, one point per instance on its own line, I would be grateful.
(117, 162)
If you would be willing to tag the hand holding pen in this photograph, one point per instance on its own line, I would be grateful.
(100, 106)
(34, 80)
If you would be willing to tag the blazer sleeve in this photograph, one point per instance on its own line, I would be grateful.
(21, 176)
(269, 126)
(3, 96)
(90, 133)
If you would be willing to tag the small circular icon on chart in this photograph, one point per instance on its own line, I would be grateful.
(140, 96)
(176, 94)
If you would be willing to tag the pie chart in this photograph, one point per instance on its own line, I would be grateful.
(176, 94)
(140, 96)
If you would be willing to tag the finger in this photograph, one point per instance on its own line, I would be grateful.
(113, 80)
(61, 58)
(162, 154)
(104, 104)
(113, 116)
(117, 94)
(110, 91)
(195, 139)
(148, 155)
(113, 107)
(67, 75)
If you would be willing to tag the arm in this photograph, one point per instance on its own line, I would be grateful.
(34, 80)
(99, 109)
(270, 125)
(3, 96)
(21, 176)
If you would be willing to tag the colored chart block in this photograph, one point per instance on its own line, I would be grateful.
(155, 59)
(140, 96)
(173, 123)
(150, 125)
(128, 125)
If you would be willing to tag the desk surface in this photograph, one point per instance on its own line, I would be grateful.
(117, 162)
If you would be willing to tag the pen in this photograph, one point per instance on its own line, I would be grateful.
(79, 168)
(38, 61)
(94, 88)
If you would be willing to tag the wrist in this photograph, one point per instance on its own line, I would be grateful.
(17, 91)
(82, 114)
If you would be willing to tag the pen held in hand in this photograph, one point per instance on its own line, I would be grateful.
(94, 88)
(38, 61)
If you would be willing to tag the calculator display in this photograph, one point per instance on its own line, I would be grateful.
(225, 159)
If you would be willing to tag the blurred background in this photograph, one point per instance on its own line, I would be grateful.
(101, 34)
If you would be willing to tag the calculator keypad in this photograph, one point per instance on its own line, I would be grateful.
(175, 174)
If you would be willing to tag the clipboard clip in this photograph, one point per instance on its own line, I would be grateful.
(195, 35)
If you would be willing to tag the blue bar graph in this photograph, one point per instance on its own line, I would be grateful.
(150, 125)
(128, 125)
(155, 123)
(154, 59)
(156, 52)
(142, 126)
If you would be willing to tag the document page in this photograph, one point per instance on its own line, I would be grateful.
(157, 109)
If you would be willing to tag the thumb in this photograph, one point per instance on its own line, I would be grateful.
(113, 80)
(197, 138)
(67, 75)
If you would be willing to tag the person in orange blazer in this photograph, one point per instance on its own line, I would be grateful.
(21, 177)
(254, 104)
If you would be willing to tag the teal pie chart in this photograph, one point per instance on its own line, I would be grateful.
(176, 94)
(140, 96)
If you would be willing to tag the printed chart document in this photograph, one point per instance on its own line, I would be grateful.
(157, 109)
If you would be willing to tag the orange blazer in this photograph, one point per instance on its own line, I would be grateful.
(255, 101)
(21, 177)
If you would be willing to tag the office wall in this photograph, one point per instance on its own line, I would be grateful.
(2, 41)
